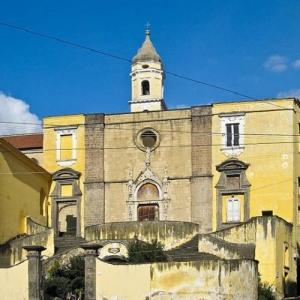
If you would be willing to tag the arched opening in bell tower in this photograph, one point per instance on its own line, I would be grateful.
(145, 87)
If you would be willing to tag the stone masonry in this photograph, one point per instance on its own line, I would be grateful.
(94, 175)
(201, 180)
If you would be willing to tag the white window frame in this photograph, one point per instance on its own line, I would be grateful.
(233, 210)
(59, 133)
(233, 118)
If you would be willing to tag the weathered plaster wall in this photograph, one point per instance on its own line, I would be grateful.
(207, 279)
(225, 249)
(270, 235)
(13, 252)
(170, 234)
(14, 282)
(33, 227)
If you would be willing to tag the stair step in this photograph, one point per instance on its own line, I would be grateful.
(65, 243)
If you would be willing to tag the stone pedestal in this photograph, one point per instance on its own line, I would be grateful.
(34, 271)
(91, 252)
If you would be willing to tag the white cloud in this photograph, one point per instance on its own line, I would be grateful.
(296, 64)
(16, 110)
(276, 63)
(290, 93)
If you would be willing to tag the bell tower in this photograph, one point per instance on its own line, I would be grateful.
(147, 79)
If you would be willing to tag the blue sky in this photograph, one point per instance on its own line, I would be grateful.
(249, 46)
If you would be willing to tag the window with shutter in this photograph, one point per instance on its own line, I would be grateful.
(232, 135)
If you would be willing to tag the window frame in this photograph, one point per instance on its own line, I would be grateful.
(236, 122)
(232, 131)
(64, 132)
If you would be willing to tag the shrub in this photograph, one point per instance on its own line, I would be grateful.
(140, 252)
(66, 282)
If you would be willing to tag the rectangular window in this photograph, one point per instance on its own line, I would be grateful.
(232, 135)
(66, 144)
(66, 147)
(66, 190)
(233, 210)
(267, 213)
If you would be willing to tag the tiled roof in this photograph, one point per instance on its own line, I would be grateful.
(26, 141)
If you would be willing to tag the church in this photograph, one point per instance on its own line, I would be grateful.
(222, 173)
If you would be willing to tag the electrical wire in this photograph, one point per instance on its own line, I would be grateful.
(104, 53)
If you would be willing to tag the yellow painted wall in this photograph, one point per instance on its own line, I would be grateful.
(51, 126)
(14, 282)
(126, 282)
(268, 148)
(269, 234)
(205, 279)
(22, 184)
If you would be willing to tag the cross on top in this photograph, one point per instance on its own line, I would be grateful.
(148, 28)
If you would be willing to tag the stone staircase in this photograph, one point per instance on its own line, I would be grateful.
(188, 252)
(67, 242)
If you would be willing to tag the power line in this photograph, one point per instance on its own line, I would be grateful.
(168, 146)
(108, 54)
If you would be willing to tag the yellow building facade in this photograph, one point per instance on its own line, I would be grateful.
(229, 169)
(24, 192)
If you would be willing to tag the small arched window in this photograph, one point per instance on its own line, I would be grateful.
(145, 87)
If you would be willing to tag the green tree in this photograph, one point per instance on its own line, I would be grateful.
(141, 252)
(66, 282)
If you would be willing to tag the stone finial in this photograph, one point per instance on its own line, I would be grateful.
(91, 249)
(34, 250)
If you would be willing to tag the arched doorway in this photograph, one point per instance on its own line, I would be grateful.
(148, 209)
(67, 219)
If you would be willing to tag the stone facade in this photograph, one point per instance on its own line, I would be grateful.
(201, 179)
(94, 207)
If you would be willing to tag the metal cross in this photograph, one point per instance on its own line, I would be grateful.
(148, 26)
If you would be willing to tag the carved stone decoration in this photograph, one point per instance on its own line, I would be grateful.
(147, 176)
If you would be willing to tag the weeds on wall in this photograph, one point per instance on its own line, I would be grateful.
(265, 290)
